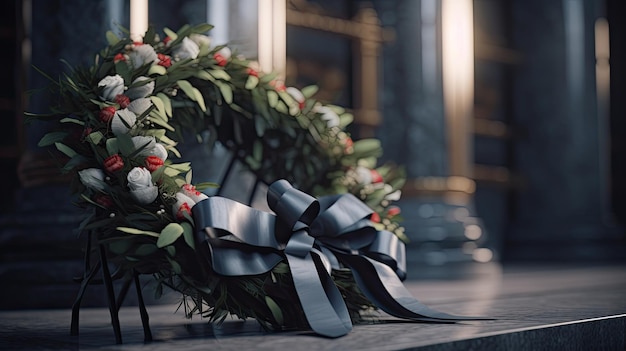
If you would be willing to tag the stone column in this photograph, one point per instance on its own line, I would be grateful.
(562, 210)
(437, 201)
(40, 253)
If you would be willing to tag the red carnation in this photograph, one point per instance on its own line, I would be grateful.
(375, 217)
(166, 40)
(113, 163)
(153, 163)
(106, 114)
(184, 208)
(393, 211)
(119, 57)
(376, 177)
(221, 60)
(252, 72)
(122, 100)
(349, 145)
(164, 60)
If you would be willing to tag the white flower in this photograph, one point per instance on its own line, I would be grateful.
(395, 196)
(151, 148)
(328, 115)
(141, 187)
(142, 54)
(296, 94)
(186, 49)
(140, 91)
(201, 39)
(121, 119)
(364, 175)
(92, 178)
(191, 192)
(147, 142)
(183, 204)
(111, 87)
(139, 106)
(225, 52)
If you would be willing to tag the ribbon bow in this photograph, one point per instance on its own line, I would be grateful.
(314, 236)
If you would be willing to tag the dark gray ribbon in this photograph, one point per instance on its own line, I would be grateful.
(314, 236)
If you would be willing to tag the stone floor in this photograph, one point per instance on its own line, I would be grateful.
(534, 308)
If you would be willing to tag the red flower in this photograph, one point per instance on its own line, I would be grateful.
(393, 211)
(113, 163)
(137, 43)
(103, 200)
(153, 163)
(221, 60)
(106, 114)
(164, 60)
(348, 145)
(376, 177)
(166, 40)
(375, 217)
(122, 100)
(278, 85)
(252, 72)
(191, 189)
(119, 57)
(184, 208)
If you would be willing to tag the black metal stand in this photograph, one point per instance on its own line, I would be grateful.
(114, 304)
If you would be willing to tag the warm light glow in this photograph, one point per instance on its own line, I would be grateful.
(482, 255)
(138, 19)
(272, 55)
(458, 81)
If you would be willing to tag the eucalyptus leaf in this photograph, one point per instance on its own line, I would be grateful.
(68, 151)
(169, 234)
(51, 138)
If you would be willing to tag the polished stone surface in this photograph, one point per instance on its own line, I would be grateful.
(538, 308)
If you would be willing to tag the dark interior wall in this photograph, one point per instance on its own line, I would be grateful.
(616, 12)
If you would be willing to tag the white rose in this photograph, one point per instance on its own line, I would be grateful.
(225, 52)
(118, 126)
(141, 187)
(147, 142)
(151, 148)
(92, 178)
(364, 175)
(111, 87)
(201, 39)
(328, 115)
(296, 94)
(191, 192)
(183, 204)
(140, 91)
(143, 54)
(186, 49)
(395, 196)
(139, 106)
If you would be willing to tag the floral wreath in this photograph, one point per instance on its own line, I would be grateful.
(119, 122)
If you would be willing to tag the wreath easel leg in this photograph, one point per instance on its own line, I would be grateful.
(113, 302)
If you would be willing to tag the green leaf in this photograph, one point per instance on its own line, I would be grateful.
(251, 82)
(157, 69)
(367, 147)
(169, 234)
(275, 309)
(95, 137)
(136, 231)
(51, 138)
(309, 91)
(125, 143)
(159, 104)
(65, 149)
(227, 92)
(272, 98)
(219, 74)
(72, 120)
(188, 234)
(112, 146)
(145, 249)
(163, 124)
(112, 39)
(170, 33)
(167, 103)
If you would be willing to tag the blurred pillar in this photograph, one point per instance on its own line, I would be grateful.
(39, 250)
(563, 211)
(427, 128)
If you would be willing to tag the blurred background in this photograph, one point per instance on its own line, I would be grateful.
(508, 116)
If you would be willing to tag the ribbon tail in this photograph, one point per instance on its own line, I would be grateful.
(320, 299)
(381, 285)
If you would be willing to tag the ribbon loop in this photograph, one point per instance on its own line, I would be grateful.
(313, 236)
